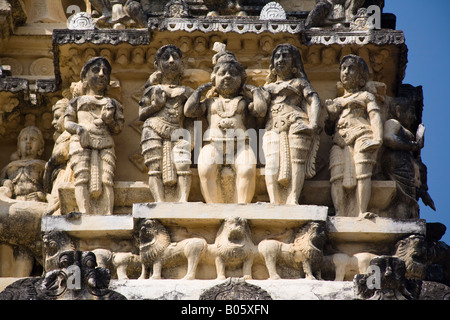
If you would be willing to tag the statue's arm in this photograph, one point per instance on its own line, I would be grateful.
(193, 106)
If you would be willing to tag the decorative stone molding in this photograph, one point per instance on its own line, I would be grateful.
(240, 26)
(235, 289)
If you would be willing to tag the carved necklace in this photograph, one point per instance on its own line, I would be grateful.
(230, 113)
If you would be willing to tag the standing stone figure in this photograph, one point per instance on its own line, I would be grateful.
(56, 170)
(167, 157)
(401, 161)
(227, 106)
(291, 140)
(22, 179)
(93, 119)
(355, 122)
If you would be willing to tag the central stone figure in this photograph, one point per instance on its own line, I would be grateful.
(228, 105)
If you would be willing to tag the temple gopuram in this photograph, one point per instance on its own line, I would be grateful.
(212, 150)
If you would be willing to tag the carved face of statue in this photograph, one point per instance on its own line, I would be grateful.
(228, 79)
(58, 120)
(97, 76)
(350, 74)
(283, 63)
(170, 61)
(30, 144)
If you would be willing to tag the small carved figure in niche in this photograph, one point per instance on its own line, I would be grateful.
(333, 10)
(291, 141)
(228, 106)
(56, 170)
(157, 250)
(355, 122)
(233, 247)
(120, 13)
(166, 155)
(22, 179)
(92, 119)
(305, 253)
(404, 138)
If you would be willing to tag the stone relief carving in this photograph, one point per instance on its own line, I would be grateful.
(226, 105)
(157, 250)
(291, 141)
(233, 247)
(224, 7)
(92, 119)
(119, 14)
(404, 138)
(333, 11)
(393, 283)
(56, 169)
(355, 122)
(167, 157)
(412, 251)
(305, 253)
(77, 278)
(235, 289)
(22, 178)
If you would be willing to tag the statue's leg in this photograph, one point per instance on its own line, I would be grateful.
(299, 147)
(152, 152)
(209, 160)
(182, 161)
(245, 166)
(272, 156)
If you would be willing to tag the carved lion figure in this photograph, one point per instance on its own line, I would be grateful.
(346, 267)
(305, 251)
(233, 247)
(413, 251)
(157, 251)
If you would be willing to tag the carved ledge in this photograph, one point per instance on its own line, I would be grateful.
(315, 193)
(86, 226)
(243, 25)
(377, 229)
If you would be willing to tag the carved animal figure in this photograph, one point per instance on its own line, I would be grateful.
(119, 262)
(157, 251)
(347, 266)
(233, 247)
(305, 251)
(411, 250)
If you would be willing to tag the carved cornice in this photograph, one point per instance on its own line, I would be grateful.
(104, 36)
(243, 25)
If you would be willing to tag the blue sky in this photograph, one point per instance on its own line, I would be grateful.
(426, 27)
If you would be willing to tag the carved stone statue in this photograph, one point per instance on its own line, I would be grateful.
(56, 170)
(333, 10)
(157, 251)
(227, 107)
(76, 278)
(224, 7)
(393, 283)
(305, 253)
(404, 138)
(291, 141)
(168, 158)
(22, 178)
(233, 247)
(355, 122)
(92, 119)
(120, 13)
